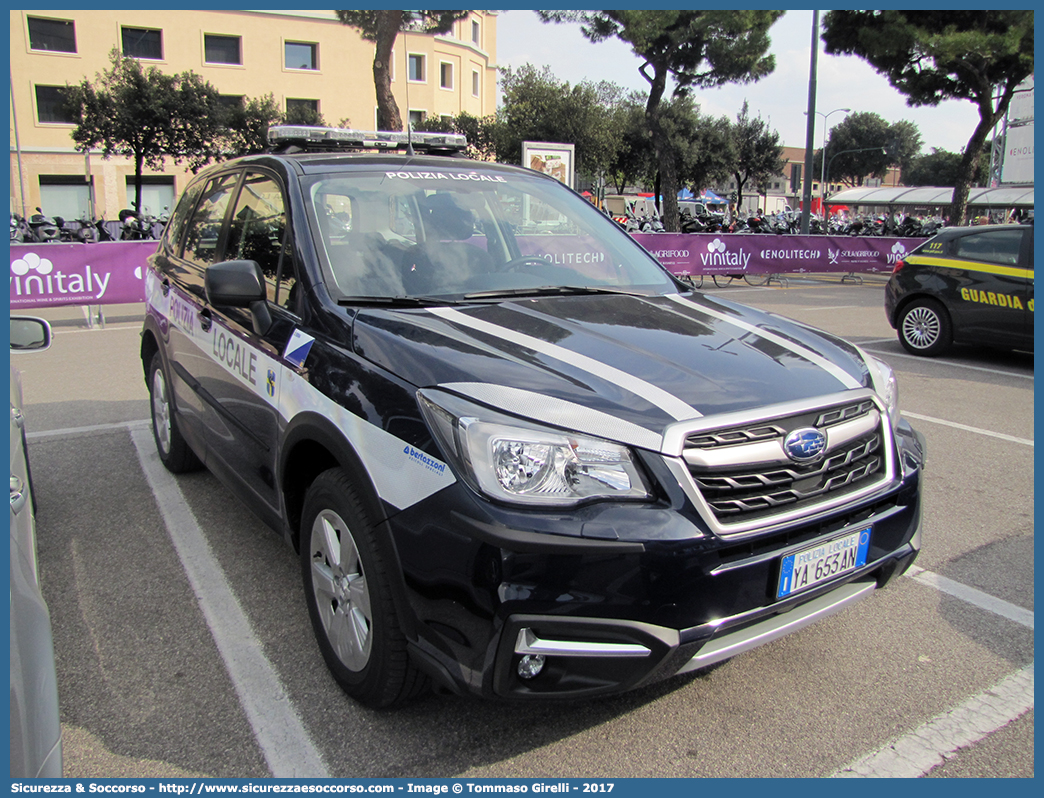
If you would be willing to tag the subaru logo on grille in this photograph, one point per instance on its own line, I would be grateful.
(804, 445)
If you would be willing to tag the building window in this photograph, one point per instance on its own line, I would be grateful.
(230, 102)
(68, 196)
(474, 32)
(795, 177)
(143, 43)
(53, 35)
(416, 117)
(416, 67)
(302, 112)
(50, 106)
(300, 55)
(475, 83)
(221, 49)
(157, 194)
(446, 75)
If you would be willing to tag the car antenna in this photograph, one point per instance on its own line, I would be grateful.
(409, 122)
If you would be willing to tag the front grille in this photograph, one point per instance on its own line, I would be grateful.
(745, 477)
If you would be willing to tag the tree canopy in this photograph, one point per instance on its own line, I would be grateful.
(382, 27)
(759, 154)
(865, 145)
(536, 106)
(694, 48)
(941, 168)
(936, 55)
(146, 115)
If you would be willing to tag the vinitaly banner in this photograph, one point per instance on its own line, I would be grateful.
(112, 273)
(686, 254)
(103, 273)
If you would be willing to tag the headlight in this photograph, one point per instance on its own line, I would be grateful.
(515, 461)
(885, 385)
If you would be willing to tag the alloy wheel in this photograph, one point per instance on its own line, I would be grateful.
(341, 594)
(922, 327)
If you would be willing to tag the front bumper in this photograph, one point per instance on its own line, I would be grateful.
(617, 596)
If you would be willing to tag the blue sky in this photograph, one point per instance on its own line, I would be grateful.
(781, 98)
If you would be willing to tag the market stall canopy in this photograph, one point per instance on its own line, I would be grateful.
(1001, 197)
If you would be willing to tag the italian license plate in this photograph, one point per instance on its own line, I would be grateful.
(808, 567)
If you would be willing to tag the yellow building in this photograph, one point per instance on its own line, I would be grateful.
(300, 57)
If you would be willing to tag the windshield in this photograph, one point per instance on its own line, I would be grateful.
(455, 233)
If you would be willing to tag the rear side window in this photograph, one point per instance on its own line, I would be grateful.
(990, 246)
(182, 211)
(204, 231)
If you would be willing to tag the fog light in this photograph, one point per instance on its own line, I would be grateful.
(530, 666)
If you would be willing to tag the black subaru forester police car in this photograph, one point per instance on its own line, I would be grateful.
(517, 457)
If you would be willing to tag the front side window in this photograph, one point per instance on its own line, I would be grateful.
(52, 35)
(300, 55)
(256, 232)
(992, 246)
(204, 232)
(51, 108)
(416, 67)
(454, 232)
(222, 49)
(142, 43)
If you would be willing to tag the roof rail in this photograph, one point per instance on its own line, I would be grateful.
(326, 139)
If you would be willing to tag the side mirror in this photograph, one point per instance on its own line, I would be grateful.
(29, 334)
(239, 284)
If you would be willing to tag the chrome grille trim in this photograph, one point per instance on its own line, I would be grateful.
(860, 448)
(771, 451)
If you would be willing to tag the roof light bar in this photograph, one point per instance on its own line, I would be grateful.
(338, 137)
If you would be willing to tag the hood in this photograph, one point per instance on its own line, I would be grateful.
(647, 361)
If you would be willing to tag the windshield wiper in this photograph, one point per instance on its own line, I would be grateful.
(396, 301)
(548, 290)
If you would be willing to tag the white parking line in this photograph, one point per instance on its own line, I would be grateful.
(970, 595)
(946, 363)
(966, 428)
(931, 744)
(279, 731)
(70, 432)
(289, 750)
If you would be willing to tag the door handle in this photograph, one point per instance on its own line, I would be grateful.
(165, 287)
(205, 320)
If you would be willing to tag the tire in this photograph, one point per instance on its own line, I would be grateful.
(924, 328)
(347, 588)
(174, 451)
(722, 280)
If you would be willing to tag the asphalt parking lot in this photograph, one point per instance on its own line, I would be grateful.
(184, 648)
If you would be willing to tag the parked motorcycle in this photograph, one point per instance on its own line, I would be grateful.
(134, 226)
(42, 229)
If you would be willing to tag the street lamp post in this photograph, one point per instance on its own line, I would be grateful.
(822, 160)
